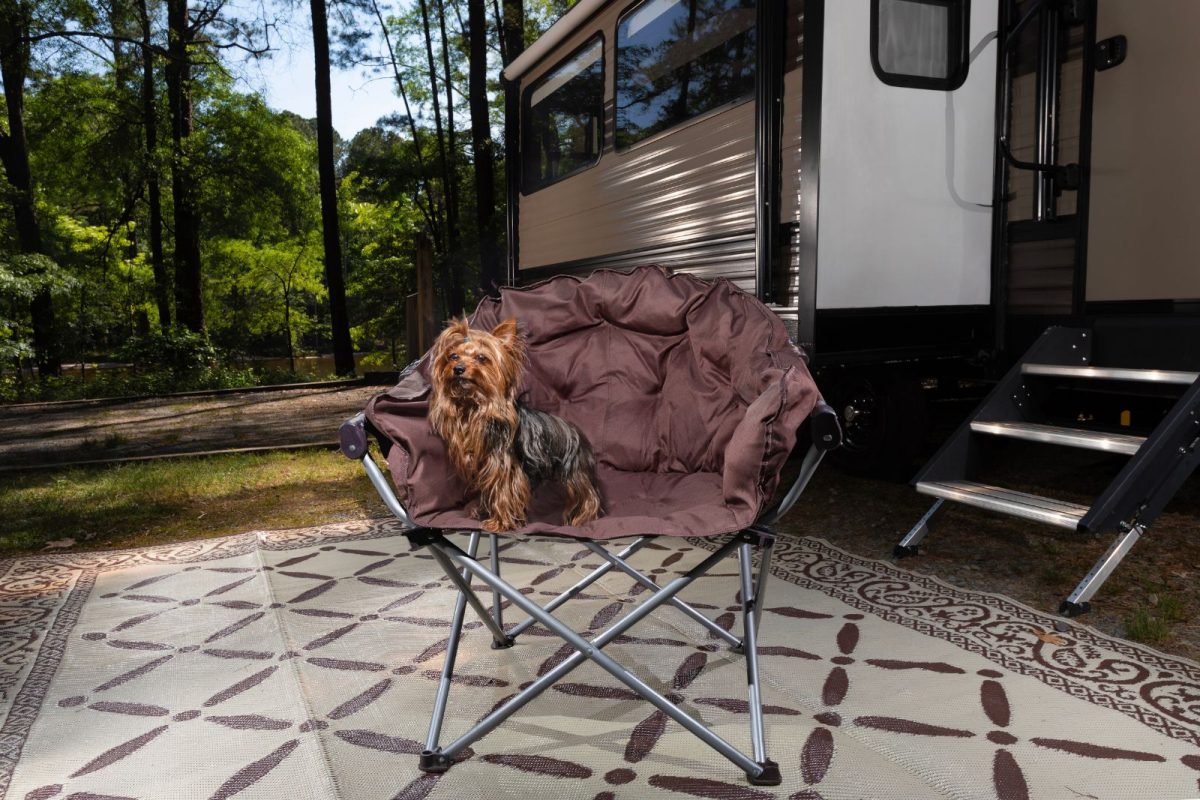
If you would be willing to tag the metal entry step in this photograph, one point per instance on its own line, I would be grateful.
(1113, 373)
(1007, 501)
(1069, 437)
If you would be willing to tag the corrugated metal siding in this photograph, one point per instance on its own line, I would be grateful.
(1041, 276)
(684, 199)
(691, 182)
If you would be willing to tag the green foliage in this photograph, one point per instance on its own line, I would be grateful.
(256, 193)
(23, 276)
(178, 350)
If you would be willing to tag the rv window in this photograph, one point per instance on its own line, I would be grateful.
(677, 59)
(563, 118)
(921, 44)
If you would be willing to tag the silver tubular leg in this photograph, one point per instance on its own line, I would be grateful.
(386, 493)
(443, 690)
(464, 587)
(620, 564)
(749, 615)
(592, 650)
(760, 586)
(497, 611)
(913, 538)
(594, 576)
(1076, 602)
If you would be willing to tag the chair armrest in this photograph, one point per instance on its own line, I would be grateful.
(352, 437)
(826, 431)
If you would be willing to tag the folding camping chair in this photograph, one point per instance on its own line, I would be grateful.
(692, 396)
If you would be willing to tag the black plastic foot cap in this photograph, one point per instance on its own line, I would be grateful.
(1069, 609)
(507, 643)
(768, 777)
(433, 761)
(906, 550)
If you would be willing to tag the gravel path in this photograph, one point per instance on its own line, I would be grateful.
(58, 434)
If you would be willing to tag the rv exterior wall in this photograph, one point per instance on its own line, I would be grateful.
(906, 175)
(1143, 240)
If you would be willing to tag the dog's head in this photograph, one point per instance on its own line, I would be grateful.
(477, 366)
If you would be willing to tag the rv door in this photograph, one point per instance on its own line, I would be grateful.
(907, 124)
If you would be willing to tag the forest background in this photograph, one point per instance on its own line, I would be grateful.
(161, 219)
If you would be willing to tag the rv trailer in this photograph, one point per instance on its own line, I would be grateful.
(917, 187)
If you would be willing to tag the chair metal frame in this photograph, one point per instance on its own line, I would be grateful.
(463, 566)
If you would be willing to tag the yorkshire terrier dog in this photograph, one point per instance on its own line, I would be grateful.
(497, 444)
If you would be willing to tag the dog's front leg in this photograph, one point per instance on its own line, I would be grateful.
(504, 493)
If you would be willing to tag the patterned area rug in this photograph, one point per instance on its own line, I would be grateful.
(302, 664)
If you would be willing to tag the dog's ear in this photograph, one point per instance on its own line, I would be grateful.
(508, 333)
(458, 327)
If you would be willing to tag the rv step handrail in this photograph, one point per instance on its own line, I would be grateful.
(1124, 443)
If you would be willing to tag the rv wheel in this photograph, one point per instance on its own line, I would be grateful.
(884, 420)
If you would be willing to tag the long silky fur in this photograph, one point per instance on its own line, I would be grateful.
(498, 445)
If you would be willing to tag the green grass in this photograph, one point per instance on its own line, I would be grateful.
(1147, 627)
(155, 502)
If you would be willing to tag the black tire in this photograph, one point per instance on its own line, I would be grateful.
(885, 421)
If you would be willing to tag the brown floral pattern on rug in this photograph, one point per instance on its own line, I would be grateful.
(303, 663)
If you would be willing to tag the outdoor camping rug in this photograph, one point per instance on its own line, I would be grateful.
(302, 664)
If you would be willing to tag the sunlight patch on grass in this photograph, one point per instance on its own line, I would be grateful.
(155, 502)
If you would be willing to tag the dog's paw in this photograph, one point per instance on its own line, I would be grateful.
(495, 525)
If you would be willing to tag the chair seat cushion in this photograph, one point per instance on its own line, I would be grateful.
(645, 503)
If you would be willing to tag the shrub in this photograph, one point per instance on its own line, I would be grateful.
(179, 350)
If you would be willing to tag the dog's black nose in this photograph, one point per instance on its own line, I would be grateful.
(459, 370)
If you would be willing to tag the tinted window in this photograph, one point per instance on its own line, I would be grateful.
(919, 43)
(680, 58)
(563, 118)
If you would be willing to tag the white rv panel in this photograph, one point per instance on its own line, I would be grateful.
(906, 174)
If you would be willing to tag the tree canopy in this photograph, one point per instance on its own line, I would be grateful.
(139, 168)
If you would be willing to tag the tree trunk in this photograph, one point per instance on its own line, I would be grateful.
(481, 145)
(343, 349)
(514, 30)
(14, 152)
(454, 288)
(189, 302)
(453, 196)
(162, 280)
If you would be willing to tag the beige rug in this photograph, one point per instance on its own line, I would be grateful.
(302, 664)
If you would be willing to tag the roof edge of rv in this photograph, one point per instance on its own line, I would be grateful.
(566, 25)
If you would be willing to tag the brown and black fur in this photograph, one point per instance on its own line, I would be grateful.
(498, 445)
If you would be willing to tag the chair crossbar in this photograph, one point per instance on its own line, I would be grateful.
(649, 583)
(452, 558)
(570, 593)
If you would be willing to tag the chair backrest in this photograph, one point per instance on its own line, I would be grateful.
(657, 369)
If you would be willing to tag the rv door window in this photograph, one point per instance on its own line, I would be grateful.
(677, 59)
(920, 44)
(563, 113)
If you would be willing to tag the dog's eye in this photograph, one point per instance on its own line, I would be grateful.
(482, 359)
(454, 356)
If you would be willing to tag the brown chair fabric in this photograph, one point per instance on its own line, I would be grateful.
(690, 392)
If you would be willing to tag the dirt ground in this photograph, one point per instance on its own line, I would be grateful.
(62, 433)
(1153, 597)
